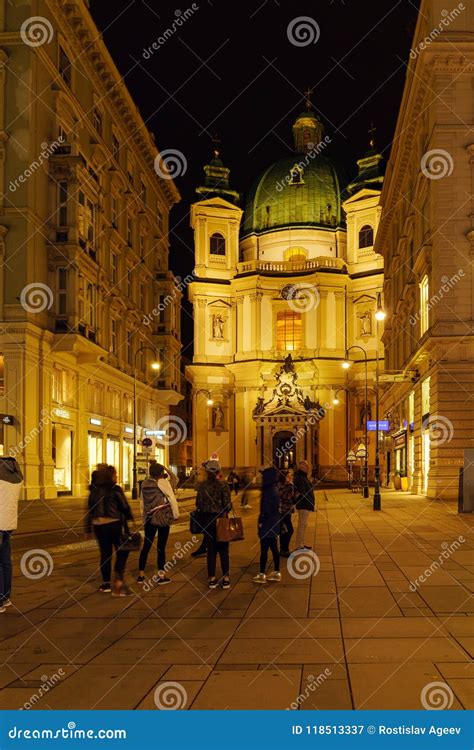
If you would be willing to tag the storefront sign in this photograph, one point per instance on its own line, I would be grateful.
(384, 425)
(399, 440)
(156, 433)
(97, 422)
(62, 413)
(128, 430)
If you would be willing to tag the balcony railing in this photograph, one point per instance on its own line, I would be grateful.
(290, 266)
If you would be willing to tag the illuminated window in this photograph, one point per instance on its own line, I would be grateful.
(217, 244)
(366, 236)
(424, 309)
(289, 329)
(296, 253)
(2, 371)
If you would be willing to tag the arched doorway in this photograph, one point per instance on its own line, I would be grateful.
(284, 449)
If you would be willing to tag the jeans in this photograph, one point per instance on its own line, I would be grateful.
(5, 566)
(108, 538)
(285, 536)
(150, 533)
(266, 544)
(214, 547)
(303, 518)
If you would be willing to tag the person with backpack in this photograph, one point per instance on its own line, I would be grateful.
(107, 510)
(304, 502)
(11, 480)
(269, 526)
(213, 500)
(286, 493)
(159, 510)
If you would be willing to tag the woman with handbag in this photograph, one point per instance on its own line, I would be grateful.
(213, 501)
(107, 511)
(159, 509)
(269, 526)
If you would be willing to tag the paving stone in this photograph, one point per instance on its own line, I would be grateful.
(289, 627)
(358, 575)
(391, 627)
(448, 598)
(460, 670)
(282, 650)
(367, 602)
(164, 651)
(194, 672)
(269, 689)
(402, 649)
(464, 691)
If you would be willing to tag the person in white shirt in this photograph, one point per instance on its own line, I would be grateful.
(159, 510)
(11, 480)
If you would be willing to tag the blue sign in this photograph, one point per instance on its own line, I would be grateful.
(384, 425)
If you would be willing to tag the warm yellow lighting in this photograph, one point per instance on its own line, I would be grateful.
(210, 401)
(155, 366)
(380, 314)
(346, 364)
(335, 401)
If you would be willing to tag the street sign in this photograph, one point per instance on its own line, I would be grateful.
(147, 442)
(7, 419)
(395, 377)
(384, 425)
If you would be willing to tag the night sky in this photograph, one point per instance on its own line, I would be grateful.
(231, 69)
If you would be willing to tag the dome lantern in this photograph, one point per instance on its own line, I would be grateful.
(307, 130)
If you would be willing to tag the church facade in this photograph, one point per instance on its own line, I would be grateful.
(284, 291)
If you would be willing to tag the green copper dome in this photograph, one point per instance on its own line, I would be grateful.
(299, 190)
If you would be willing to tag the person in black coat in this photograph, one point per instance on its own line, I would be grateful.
(304, 502)
(269, 526)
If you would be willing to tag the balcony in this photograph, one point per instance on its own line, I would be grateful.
(291, 266)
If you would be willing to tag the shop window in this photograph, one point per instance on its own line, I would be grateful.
(425, 398)
(217, 244)
(424, 305)
(366, 236)
(289, 331)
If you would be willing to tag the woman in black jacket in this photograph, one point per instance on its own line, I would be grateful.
(212, 501)
(107, 508)
(269, 526)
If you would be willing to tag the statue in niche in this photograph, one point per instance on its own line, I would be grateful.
(217, 326)
(218, 418)
(365, 413)
(365, 323)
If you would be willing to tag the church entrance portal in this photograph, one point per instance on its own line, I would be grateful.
(284, 453)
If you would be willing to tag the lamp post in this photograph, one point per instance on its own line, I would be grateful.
(379, 316)
(155, 365)
(346, 365)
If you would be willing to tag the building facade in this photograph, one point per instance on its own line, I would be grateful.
(426, 235)
(84, 246)
(282, 289)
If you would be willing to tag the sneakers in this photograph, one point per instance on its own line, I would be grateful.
(104, 588)
(225, 584)
(247, 506)
(213, 583)
(163, 580)
(7, 603)
(121, 589)
(260, 578)
(275, 576)
(2, 608)
(140, 579)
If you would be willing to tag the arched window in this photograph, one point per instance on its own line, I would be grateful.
(217, 244)
(295, 253)
(289, 331)
(366, 236)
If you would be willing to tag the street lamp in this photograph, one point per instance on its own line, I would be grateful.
(155, 365)
(346, 365)
(379, 316)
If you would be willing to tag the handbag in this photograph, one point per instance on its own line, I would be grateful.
(162, 515)
(229, 529)
(130, 541)
(195, 523)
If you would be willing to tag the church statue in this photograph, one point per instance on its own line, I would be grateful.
(288, 364)
(217, 326)
(259, 407)
(218, 418)
(366, 324)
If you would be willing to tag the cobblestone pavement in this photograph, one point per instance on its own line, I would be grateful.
(381, 619)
